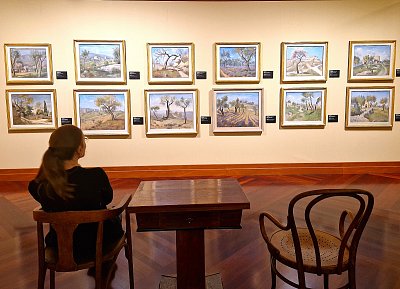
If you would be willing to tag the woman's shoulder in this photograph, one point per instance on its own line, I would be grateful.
(88, 172)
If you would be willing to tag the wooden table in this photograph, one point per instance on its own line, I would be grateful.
(189, 207)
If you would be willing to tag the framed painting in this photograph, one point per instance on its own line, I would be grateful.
(171, 112)
(103, 112)
(304, 62)
(369, 107)
(237, 110)
(31, 109)
(170, 63)
(237, 62)
(100, 62)
(303, 107)
(28, 63)
(371, 61)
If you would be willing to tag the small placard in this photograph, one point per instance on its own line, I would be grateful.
(137, 120)
(333, 118)
(201, 74)
(134, 74)
(268, 74)
(397, 72)
(66, 120)
(205, 119)
(397, 117)
(334, 73)
(61, 75)
(270, 119)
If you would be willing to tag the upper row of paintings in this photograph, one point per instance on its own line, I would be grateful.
(104, 62)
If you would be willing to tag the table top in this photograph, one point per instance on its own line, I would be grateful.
(188, 195)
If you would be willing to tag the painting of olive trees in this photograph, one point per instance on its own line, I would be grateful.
(369, 107)
(303, 107)
(28, 63)
(171, 112)
(100, 62)
(31, 109)
(170, 63)
(237, 62)
(102, 112)
(371, 60)
(237, 110)
(304, 62)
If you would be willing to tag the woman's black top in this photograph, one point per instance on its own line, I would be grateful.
(92, 191)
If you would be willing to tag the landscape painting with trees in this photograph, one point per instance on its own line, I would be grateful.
(371, 60)
(28, 63)
(303, 107)
(102, 112)
(31, 109)
(100, 61)
(170, 63)
(171, 112)
(304, 62)
(237, 62)
(369, 107)
(237, 110)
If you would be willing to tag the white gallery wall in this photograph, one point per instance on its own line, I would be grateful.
(60, 22)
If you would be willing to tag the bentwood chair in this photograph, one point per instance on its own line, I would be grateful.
(61, 259)
(310, 250)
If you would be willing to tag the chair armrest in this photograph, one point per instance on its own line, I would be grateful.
(264, 232)
(343, 216)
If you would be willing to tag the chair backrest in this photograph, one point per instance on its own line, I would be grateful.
(350, 237)
(65, 223)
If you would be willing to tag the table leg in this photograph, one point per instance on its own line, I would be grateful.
(190, 259)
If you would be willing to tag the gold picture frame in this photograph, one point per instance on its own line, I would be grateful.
(370, 107)
(303, 107)
(237, 62)
(371, 61)
(100, 61)
(304, 62)
(28, 63)
(31, 110)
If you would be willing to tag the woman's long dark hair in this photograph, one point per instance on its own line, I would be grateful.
(63, 144)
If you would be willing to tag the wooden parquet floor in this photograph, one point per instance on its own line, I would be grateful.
(240, 256)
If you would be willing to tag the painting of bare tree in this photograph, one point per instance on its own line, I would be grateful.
(100, 62)
(369, 107)
(304, 62)
(171, 111)
(31, 109)
(237, 110)
(28, 64)
(170, 63)
(103, 112)
(237, 62)
(371, 60)
(303, 107)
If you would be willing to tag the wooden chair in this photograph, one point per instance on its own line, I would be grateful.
(309, 250)
(62, 259)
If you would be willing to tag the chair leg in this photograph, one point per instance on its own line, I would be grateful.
(52, 279)
(41, 276)
(98, 278)
(273, 274)
(128, 254)
(352, 277)
(326, 281)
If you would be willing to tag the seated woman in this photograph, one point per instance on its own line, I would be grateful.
(63, 185)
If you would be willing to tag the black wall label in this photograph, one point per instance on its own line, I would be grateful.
(333, 118)
(205, 119)
(134, 74)
(201, 74)
(397, 72)
(66, 120)
(268, 74)
(137, 120)
(334, 73)
(61, 75)
(397, 117)
(270, 119)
